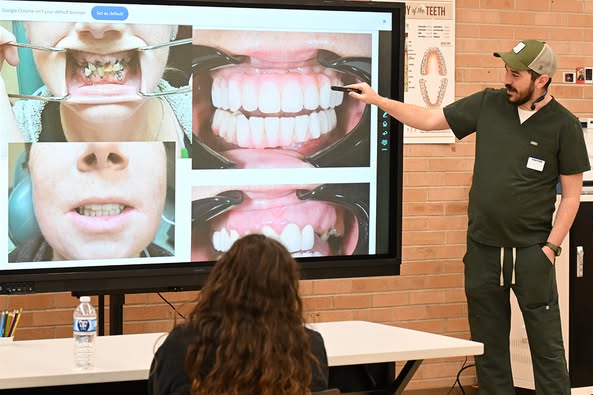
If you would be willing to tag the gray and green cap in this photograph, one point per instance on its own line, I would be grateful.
(530, 55)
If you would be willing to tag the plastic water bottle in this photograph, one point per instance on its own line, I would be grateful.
(85, 330)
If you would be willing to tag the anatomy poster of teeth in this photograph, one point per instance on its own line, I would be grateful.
(430, 63)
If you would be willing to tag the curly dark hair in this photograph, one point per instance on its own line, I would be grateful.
(250, 334)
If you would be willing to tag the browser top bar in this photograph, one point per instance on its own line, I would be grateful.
(198, 16)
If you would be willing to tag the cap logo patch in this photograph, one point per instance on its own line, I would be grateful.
(519, 47)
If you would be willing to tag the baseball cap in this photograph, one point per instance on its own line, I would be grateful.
(530, 55)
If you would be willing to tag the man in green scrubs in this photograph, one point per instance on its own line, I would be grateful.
(526, 142)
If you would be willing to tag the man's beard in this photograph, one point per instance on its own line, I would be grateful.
(522, 98)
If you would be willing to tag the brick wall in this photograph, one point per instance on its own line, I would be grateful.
(429, 293)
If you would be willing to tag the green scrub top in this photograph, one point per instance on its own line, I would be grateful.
(516, 169)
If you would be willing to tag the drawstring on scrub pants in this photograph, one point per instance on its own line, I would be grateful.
(502, 266)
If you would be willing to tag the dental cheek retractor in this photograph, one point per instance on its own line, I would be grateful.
(99, 70)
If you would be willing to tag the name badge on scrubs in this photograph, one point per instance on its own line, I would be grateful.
(535, 164)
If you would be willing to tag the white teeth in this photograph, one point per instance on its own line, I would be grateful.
(306, 254)
(269, 98)
(260, 132)
(269, 232)
(298, 241)
(324, 92)
(248, 95)
(220, 95)
(301, 125)
(284, 138)
(324, 125)
(314, 125)
(289, 93)
(293, 107)
(217, 120)
(257, 135)
(311, 96)
(292, 97)
(291, 237)
(241, 131)
(272, 132)
(100, 210)
(307, 238)
(223, 240)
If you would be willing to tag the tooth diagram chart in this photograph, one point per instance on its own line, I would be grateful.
(430, 63)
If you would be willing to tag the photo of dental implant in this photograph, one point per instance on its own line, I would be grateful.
(264, 99)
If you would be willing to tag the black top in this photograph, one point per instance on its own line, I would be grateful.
(516, 169)
(167, 371)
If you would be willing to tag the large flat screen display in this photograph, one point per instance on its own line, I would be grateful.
(140, 140)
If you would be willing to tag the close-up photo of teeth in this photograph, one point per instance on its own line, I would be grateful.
(76, 73)
(256, 110)
(273, 99)
(310, 221)
(109, 71)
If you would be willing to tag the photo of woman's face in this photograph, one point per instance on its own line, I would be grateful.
(98, 200)
(272, 98)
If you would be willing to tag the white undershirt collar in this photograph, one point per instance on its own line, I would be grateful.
(524, 114)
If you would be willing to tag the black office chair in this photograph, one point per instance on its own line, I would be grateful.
(330, 391)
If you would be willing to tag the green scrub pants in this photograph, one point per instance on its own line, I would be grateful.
(533, 279)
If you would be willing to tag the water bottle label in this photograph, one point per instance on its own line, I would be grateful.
(85, 326)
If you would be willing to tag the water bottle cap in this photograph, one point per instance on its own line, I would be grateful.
(85, 299)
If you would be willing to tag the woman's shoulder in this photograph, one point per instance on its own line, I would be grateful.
(313, 332)
(181, 331)
(317, 343)
(179, 336)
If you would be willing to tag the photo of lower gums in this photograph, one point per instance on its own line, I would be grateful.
(82, 201)
(309, 220)
(264, 99)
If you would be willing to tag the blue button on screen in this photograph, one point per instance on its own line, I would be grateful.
(105, 13)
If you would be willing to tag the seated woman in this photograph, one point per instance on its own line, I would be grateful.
(246, 334)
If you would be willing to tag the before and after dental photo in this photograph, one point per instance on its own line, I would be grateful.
(189, 136)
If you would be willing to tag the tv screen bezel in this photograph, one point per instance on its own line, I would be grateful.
(186, 276)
